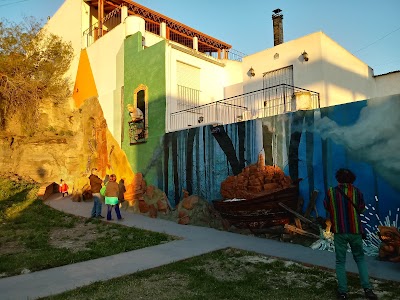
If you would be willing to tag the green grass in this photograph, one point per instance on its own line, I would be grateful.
(228, 274)
(29, 228)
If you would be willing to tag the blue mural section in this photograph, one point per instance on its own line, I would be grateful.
(312, 145)
(198, 164)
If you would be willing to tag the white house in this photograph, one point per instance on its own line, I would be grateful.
(203, 82)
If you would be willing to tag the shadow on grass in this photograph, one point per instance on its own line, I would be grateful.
(14, 202)
(29, 229)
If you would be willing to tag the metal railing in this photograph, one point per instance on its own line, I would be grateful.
(153, 27)
(230, 54)
(177, 37)
(262, 103)
(110, 21)
(91, 34)
(113, 19)
(187, 97)
(233, 54)
(212, 113)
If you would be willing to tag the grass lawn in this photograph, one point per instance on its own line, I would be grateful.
(34, 236)
(228, 274)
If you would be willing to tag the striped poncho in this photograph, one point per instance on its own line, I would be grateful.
(343, 215)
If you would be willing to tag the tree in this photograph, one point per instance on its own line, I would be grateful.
(33, 64)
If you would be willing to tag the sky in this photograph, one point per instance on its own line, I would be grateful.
(369, 29)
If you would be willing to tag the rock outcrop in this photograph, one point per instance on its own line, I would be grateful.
(151, 200)
(68, 142)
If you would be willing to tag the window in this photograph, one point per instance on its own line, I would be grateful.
(138, 111)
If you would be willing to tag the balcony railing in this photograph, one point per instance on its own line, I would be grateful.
(233, 54)
(113, 19)
(262, 103)
(187, 97)
(110, 21)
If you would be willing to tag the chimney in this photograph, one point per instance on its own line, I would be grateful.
(277, 18)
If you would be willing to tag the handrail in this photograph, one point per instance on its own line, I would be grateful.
(230, 54)
(245, 94)
(270, 101)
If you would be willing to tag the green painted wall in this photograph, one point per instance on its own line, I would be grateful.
(147, 67)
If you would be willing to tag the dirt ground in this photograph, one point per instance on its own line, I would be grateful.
(77, 237)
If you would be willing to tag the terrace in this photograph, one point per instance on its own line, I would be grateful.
(110, 15)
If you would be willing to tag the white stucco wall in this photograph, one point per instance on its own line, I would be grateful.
(387, 84)
(233, 78)
(331, 70)
(213, 77)
(151, 39)
(66, 22)
(347, 78)
(106, 58)
(306, 74)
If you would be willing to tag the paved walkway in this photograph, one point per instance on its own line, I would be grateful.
(195, 241)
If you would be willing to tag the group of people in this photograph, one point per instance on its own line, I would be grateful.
(344, 204)
(114, 194)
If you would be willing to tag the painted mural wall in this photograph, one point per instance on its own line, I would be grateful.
(311, 145)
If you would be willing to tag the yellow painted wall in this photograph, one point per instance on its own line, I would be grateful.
(85, 86)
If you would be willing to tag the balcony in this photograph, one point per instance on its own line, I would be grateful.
(262, 103)
(174, 31)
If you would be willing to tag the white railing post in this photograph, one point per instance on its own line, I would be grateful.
(196, 43)
(124, 13)
(163, 30)
(216, 111)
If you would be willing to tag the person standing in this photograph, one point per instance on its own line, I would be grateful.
(122, 190)
(95, 186)
(105, 181)
(112, 192)
(344, 203)
(63, 188)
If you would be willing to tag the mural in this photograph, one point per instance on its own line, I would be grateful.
(310, 145)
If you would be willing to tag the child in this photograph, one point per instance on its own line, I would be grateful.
(111, 200)
(63, 188)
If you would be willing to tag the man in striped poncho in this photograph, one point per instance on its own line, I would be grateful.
(344, 203)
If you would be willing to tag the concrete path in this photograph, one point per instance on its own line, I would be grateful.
(195, 241)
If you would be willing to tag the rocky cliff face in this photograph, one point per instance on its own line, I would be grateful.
(68, 142)
(41, 156)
